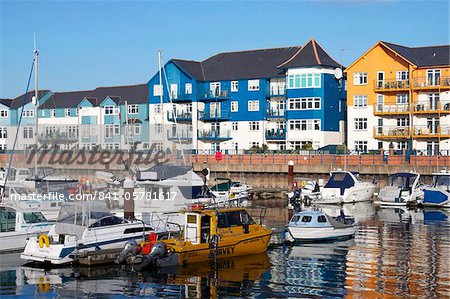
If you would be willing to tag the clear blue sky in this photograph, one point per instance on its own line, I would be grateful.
(88, 44)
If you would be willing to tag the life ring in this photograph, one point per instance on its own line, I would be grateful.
(303, 183)
(231, 195)
(43, 287)
(43, 239)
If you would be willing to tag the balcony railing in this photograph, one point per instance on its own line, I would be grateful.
(276, 113)
(384, 132)
(276, 134)
(184, 135)
(391, 85)
(431, 108)
(58, 138)
(431, 82)
(181, 97)
(179, 116)
(396, 109)
(212, 115)
(213, 135)
(276, 91)
(431, 132)
(210, 96)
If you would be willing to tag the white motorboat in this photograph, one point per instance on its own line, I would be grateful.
(345, 187)
(19, 195)
(83, 227)
(438, 194)
(315, 225)
(237, 191)
(17, 225)
(403, 188)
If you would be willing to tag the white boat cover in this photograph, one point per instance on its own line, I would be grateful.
(75, 217)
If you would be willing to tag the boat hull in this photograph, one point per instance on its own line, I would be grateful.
(16, 241)
(434, 197)
(311, 234)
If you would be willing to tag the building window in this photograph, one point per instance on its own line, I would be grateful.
(28, 132)
(235, 126)
(304, 81)
(361, 146)
(133, 109)
(110, 110)
(77, 111)
(360, 78)
(234, 86)
(157, 108)
(253, 85)
(403, 122)
(402, 76)
(298, 145)
(214, 88)
(3, 147)
(360, 101)
(254, 144)
(402, 145)
(304, 104)
(157, 90)
(132, 130)
(4, 113)
(254, 125)
(42, 112)
(253, 105)
(52, 112)
(188, 88)
(85, 131)
(234, 106)
(360, 124)
(3, 133)
(304, 125)
(402, 98)
(28, 113)
(67, 112)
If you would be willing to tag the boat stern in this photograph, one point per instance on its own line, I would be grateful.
(39, 252)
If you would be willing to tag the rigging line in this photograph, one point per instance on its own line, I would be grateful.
(173, 110)
(17, 131)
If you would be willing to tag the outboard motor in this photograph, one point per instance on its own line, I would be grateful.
(158, 251)
(294, 199)
(131, 248)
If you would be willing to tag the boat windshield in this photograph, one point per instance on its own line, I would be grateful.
(401, 181)
(34, 217)
(442, 181)
(233, 218)
(341, 180)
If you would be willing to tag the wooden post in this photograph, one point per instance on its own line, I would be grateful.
(128, 201)
(290, 175)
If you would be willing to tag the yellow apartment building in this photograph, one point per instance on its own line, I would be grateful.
(397, 96)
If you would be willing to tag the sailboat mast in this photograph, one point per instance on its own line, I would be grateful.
(36, 102)
(161, 87)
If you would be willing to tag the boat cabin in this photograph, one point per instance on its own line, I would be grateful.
(341, 180)
(14, 219)
(201, 225)
(404, 181)
(441, 181)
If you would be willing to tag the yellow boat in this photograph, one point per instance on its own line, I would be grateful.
(207, 234)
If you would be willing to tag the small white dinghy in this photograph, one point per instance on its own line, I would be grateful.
(315, 225)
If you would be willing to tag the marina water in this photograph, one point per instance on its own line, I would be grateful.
(396, 253)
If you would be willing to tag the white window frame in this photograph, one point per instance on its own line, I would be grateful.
(304, 103)
(253, 126)
(67, 112)
(360, 123)
(4, 113)
(402, 98)
(253, 105)
(133, 109)
(360, 101)
(403, 122)
(157, 90)
(235, 126)
(28, 113)
(253, 85)
(234, 86)
(188, 88)
(3, 132)
(110, 110)
(361, 145)
(360, 78)
(234, 106)
(402, 75)
(311, 80)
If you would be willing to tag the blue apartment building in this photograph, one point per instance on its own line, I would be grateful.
(285, 98)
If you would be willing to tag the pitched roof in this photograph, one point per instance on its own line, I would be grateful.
(311, 54)
(133, 94)
(194, 68)
(6, 102)
(423, 56)
(26, 98)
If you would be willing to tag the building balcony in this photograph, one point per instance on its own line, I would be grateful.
(181, 97)
(391, 85)
(183, 136)
(179, 116)
(276, 114)
(214, 116)
(391, 110)
(57, 138)
(275, 134)
(213, 135)
(431, 83)
(276, 91)
(431, 108)
(213, 96)
(426, 132)
(390, 133)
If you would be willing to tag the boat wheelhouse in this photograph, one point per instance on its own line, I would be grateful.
(403, 188)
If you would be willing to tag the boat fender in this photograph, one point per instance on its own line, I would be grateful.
(43, 287)
(43, 239)
(303, 183)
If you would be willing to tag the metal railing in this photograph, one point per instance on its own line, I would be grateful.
(431, 107)
(391, 85)
(212, 135)
(431, 132)
(212, 115)
(276, 91)
(275, 134)
(212, 95)
(385, 132)
(381, 109)
(179, 116)
(431, 82)
(276, 113)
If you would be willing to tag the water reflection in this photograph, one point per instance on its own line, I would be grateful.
(396, 252)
